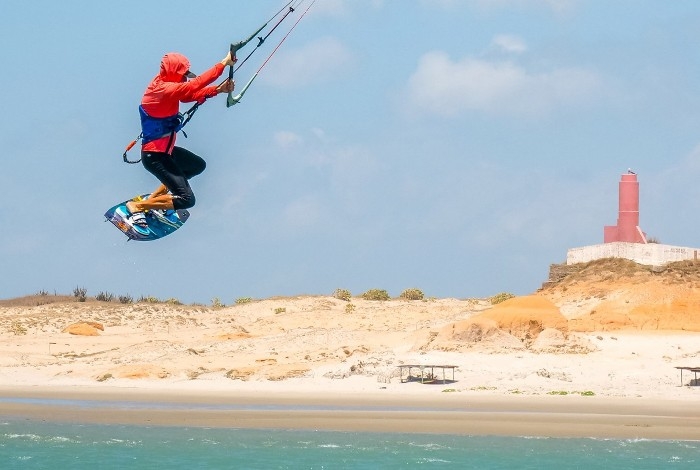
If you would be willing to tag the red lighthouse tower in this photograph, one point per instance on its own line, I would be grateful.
(627, 228)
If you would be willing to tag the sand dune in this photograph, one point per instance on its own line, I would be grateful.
(522, 346)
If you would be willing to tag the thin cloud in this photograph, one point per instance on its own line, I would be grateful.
(339, 8)
(287, 139)
(330, 8)
(302, 214)
(316, 61)
(441, 86)
(558, 6)
(509, 43)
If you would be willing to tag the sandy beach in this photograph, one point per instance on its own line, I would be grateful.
(363, 412)
(586, 357)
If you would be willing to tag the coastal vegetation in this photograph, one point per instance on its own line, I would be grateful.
(376, 294)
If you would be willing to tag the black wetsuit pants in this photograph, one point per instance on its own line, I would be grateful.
(174, 171)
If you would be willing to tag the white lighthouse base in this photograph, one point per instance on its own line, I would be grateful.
(651, 254)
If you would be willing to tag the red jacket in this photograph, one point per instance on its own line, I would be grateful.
(165, 92)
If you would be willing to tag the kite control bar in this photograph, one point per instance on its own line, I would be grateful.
(231, 100)
(240, 45)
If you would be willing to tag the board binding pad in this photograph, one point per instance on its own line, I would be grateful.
(160, 223)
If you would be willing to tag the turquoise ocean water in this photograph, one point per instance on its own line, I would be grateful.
(32, 444)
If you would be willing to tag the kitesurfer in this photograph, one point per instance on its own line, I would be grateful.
(160, 122)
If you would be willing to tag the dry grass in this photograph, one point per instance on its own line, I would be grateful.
(37, 299)
(618, 269)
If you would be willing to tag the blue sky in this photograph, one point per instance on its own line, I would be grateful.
(456, 146)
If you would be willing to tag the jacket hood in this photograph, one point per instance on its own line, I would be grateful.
(173, 67)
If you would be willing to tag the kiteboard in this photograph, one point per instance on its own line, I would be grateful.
(159, 222)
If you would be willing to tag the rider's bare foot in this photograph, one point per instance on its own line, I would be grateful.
(131, 207)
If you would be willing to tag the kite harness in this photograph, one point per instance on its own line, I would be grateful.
(154, 128)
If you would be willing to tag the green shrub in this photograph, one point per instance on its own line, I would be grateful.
(376, 294)
(216, 303)
(279, 310)
(502, 297)
(243, 300)
(349, 308)
(125, 299)
(342, 294)
(412, 294)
